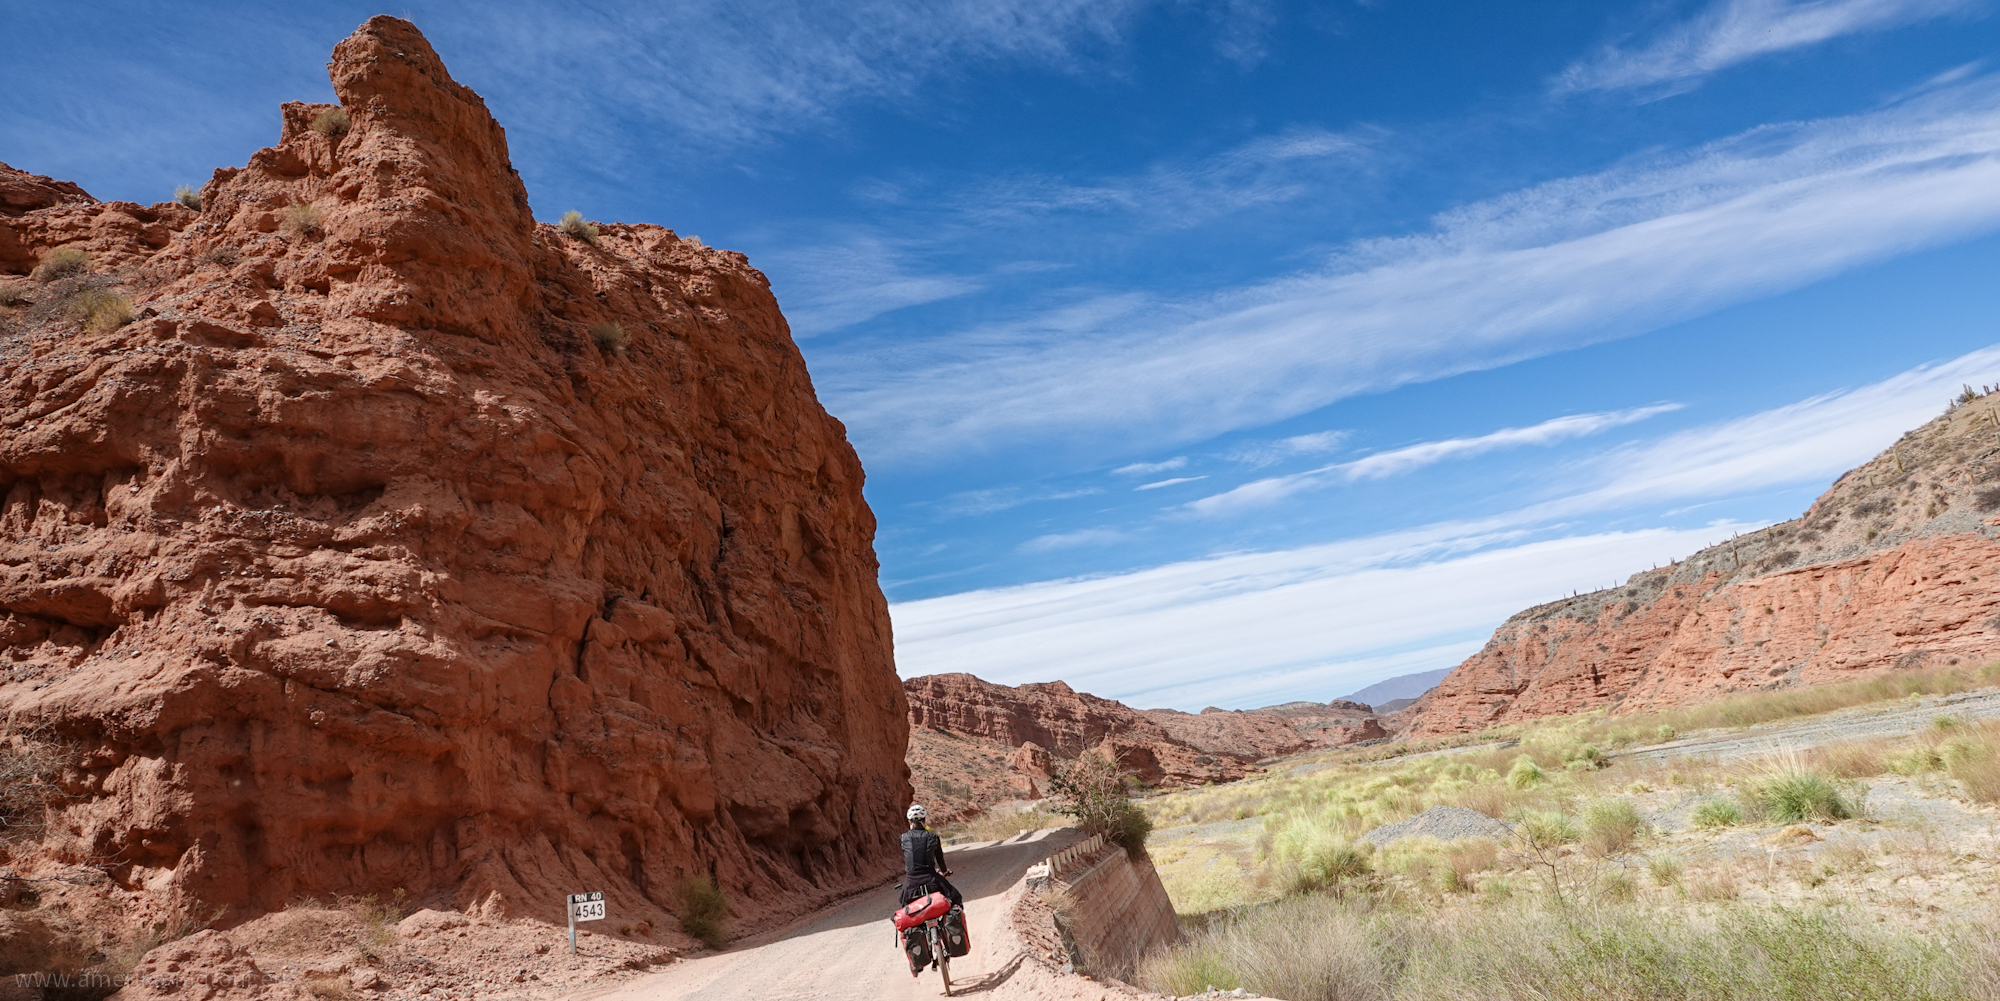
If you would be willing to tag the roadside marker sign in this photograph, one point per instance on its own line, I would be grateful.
(583, 907)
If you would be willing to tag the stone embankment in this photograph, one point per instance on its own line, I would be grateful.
(1896, 566)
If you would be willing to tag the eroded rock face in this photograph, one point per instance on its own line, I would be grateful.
(361, 561)
(1896, 566)
(974, 742)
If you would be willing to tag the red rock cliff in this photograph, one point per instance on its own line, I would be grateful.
(1896, 566)
(372, 555)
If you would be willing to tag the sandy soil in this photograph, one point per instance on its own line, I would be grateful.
(847, 952)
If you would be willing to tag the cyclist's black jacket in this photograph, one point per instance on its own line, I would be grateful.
(923, 856)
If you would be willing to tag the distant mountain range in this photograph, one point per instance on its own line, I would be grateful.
(1401, 690)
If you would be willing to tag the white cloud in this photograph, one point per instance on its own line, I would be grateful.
(1168, 483)
(719, 72)
(843, 284)
(1072, 540)
(976, 502)
(1735, 31)
(1149, 468)
(1260, 628)
(1403, 460)
(1546, 269)
(1268, 453)
(1251, 629)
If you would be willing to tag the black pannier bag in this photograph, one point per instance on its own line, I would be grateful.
(956, 942)
(917, 947)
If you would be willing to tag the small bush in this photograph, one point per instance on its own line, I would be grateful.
(333, 122)
(1611, 825)
(101, 310)
(1619, 886)
(1665, 869)
(188, 196)
(62, 262)
(1793, 796)
(29, 766)
(1666, 732)
(12, 295)
(610, 338)
(225, 256)
(1094, 791)
(574, 224)
(376, 920)
(1321, 854)
(703, 909)
(1525, 774)
(1713, 813)
(1546, 829)
(302, 220)
(1975, 763)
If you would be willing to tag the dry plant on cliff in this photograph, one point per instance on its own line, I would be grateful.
(332, 122)
(574, 225)
(1094, 791)
(62, 262)
(101, 310)
(30, 767)
(302, 220)
(188, 196)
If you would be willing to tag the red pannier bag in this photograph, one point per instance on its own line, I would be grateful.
(922, 909)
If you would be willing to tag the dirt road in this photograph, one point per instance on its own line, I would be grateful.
(1881, 719)
(847, 952)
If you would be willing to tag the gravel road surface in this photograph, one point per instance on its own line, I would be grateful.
(1882, 719)
(847, 951)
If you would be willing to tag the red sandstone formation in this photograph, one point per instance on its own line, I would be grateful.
(1896, 566)
(402, 542)
(974, 742)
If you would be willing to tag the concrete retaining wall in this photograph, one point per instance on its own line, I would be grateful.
(1118, 911)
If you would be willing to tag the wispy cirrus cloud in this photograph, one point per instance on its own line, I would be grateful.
(1176, 481)
(1411, 457)
(1735, 31)
(1546, 269)
(1149, 468)
(993, 501)
(1268, 453)
(838, 285)
(1072, 540)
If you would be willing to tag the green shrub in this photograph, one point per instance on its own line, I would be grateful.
(1525, 774)
(1094, 791)
(1611, 825)
(1666, 732)
(333, 122)
(101, 310)
(1665, 869)
(574, 224)
(1321, 854)
(62, 262)
(1793, 796)
(1544, 830)
(1714, 813)
(188, 196)
(610, 338)
(302, 220)
(703, 909)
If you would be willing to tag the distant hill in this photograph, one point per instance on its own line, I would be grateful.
(1403, 687)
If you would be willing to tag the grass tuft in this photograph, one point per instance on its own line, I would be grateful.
(573, 223)
(610, 338)
(1711, 814)
(333, 122)
(1789, 795)
(62, 262)
(1525, 774)
(302, 220)
(703, 909)
(1611, 826)
(188, 197)
(101, 310)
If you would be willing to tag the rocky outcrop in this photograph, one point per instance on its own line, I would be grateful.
(974, 742)
(1896, 566)
(403, 543)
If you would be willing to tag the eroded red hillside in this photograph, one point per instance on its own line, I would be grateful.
(401, 542)
(1896, 566)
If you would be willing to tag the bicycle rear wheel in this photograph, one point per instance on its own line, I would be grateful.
(943, 958)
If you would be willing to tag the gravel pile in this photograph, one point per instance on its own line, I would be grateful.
(1445, 823)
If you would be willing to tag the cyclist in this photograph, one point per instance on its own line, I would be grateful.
(923, 861)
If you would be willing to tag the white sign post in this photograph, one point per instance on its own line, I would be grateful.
(583, 907)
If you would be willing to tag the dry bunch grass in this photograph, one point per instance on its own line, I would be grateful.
(302, 220)
(573, 224)
(101, 310)
(62, 262)
(333, 122)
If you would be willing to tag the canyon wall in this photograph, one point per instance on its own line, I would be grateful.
(974, 743)
(403, 543)
(1896, 566)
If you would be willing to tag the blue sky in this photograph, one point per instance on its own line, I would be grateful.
(1238, 352)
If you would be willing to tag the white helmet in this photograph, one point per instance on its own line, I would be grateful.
(916, 813)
